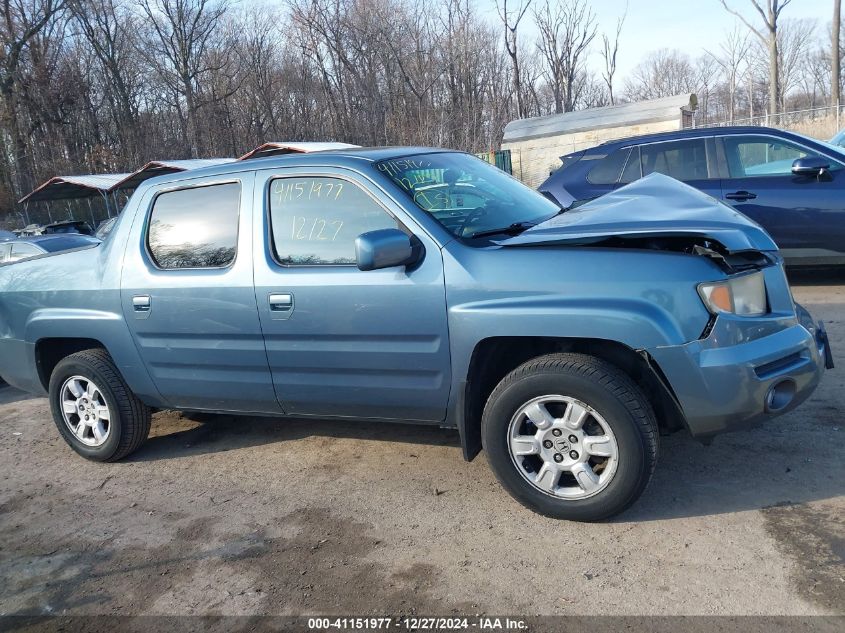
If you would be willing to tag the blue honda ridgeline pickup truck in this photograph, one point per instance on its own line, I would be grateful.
(425, 286)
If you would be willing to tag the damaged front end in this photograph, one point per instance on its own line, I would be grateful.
(659, 213)
(730, 262)
(759, 354)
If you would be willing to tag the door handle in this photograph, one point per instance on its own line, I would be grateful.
(141, 303)
(281, 304)
(740, 196)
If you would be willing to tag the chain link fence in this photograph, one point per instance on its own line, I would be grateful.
(821, 123)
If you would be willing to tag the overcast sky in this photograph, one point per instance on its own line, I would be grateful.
(690, 25)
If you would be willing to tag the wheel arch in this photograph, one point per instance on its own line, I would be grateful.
(495, 357)
(49, 351)
(54, 333)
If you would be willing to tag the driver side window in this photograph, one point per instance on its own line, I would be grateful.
(315, 220)
(760, 156)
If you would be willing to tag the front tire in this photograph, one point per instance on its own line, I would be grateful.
(570, 436)
(94, 409)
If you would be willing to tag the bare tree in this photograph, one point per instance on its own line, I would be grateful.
(813, 79)
(770, 11)
(732, 59)
(178, 46)
(609, 52)
(474, 80)
(663, 73)
(511, 19)
(703, 84)
(795, 42)
(110, 31)
(22, 21)
(835, 73)
(566, 31)
(593, 94)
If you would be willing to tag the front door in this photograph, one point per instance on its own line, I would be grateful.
(804, 214)
(188, 296)
(341, 341)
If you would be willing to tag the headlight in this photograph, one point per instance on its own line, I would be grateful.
(744, 296)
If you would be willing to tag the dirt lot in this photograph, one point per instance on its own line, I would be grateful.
(259, 516)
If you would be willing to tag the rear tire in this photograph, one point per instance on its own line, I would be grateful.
(94, 409)
(593, 448)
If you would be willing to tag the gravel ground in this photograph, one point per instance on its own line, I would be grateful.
(259, 516)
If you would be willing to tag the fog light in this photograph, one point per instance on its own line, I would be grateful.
(780, 395)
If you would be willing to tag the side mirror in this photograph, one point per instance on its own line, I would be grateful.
(386, 248)
(810, 166)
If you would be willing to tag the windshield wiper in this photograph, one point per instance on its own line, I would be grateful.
(514, 229)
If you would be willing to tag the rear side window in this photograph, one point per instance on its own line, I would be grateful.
(683, 160)
(609, 168)
(196, 227)
(315, 220)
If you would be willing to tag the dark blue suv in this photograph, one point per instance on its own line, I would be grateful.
(792, 185)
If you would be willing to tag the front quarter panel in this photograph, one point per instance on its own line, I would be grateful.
(642, 299)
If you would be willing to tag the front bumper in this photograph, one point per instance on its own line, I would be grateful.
(746, 371)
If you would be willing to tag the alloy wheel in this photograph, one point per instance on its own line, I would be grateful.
(563, 447)
(85, 410)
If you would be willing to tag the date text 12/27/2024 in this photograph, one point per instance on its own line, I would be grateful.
(417, 623)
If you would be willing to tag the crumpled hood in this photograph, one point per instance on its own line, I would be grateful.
(654, 206)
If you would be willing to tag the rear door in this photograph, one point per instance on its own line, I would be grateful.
(804, 214)
(188, 296)
(341, 341)
(691, 161)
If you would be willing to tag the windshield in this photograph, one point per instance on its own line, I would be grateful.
(466, 195)
(837, 151)
(838, 141)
